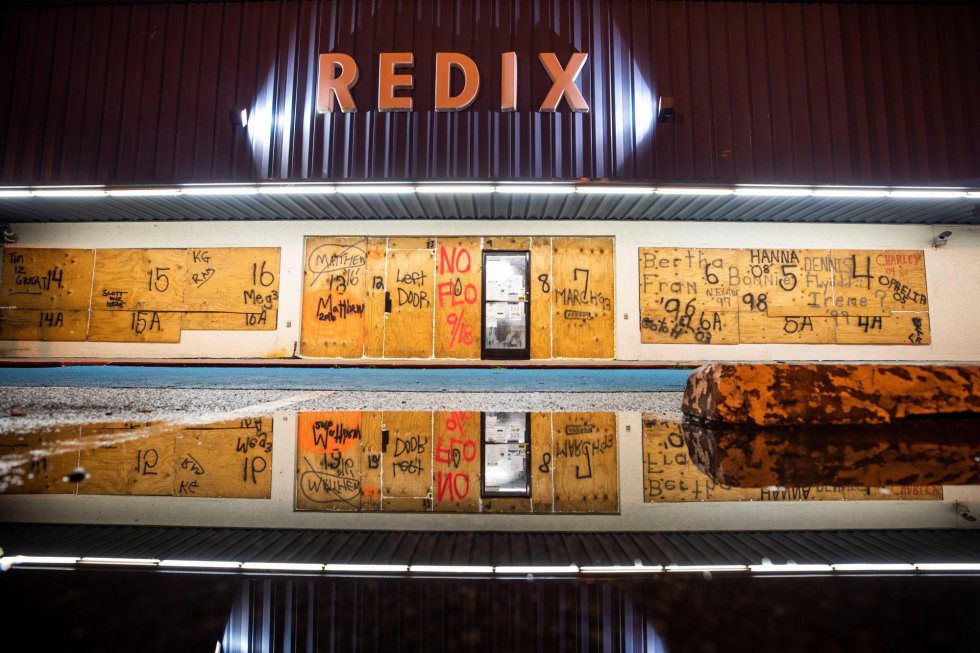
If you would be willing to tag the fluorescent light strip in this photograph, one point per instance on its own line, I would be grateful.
(704, 568)
(366, 568)
(774, 192)
(201, 564)
(120, 561)
(218, 190)
(375, 190)
(927, 194)
(450, 569)
(69, 192)
(532, 569)
(284, 566)
(790, 568)
(624, 569)
(297, 190)
(973, 194)
(14, 193)
(541, 189)
(40, 560)
(874, 567)
(695, 191)
(142, 192)
(614, 190)
(948, 566)
(849, 192)
(461, 189)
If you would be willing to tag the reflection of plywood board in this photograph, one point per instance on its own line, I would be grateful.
(46, 278)
(264, 320)
(456, 462)
(755, 327)
(586, 472)
(244, 279)
(583, 309)
(128, 279)
(893, 329)
(542, 463)
(406, 504)
(134, 326)
(669, 475)
(507, 505)
(374, 298)
(143, 467)
(409, 325)
(541, 282)
(459, 272)
(329, 459)
(407, 456)
(371, 460)
(228, 459)
(53, 325)
(888, 280)
(334, 289)
(45, 472)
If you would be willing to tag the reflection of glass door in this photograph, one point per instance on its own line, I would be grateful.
(506, 309)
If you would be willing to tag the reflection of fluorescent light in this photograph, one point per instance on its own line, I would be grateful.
(948, 566)
(450, 569)
(141, 192)
(849, 192)
(539, 189)
(526, 569)
(694, 191)
(973, 194)
(119, 561)
(41, 560)
(69, 192)
(790, 568)
(927, 194)
(774, 192)
(284, 566)
(457, 190)
(704, 568)
(599, 189)
(874, 567)
(375, 190)
(201, 564)
(624, 569)
(219, 190)
(296, 190)
(366, 568)
(4, 194)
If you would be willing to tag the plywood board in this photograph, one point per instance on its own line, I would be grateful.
(226, 459)
(48, 461)
(676, 323)
(235, 279)
(146, 279)
(709, 277)
(458, 294)
(586, 474)
(372, 461)
(507, 243)
(143, 467)
(541, 282)
(893, 329)
(755, 327)
(134, 326)
(409, 325)
(542, 463)
(877, 282)
(406, 504)
(329, 461)
(669, 475)
(407, 455)
(263, 320)
(583, 296)
(456, 461)
(335, 283)
(507, 505)
(43, 325)
(374, 298)
(46, 278)
(411, 242)
(785, 281)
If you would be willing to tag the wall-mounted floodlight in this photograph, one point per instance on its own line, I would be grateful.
(239, 118)
(665, 108)
(942, 238)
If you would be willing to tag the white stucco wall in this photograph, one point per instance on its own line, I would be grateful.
(953, 274)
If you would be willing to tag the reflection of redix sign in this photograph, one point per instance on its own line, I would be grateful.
(339, 73)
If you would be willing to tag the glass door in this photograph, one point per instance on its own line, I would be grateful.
(506, 307)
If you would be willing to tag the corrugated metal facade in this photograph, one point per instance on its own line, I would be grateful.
(882, 93)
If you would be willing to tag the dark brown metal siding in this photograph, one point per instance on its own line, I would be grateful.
(883, 93)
